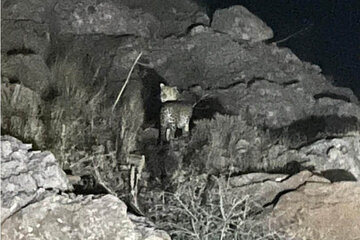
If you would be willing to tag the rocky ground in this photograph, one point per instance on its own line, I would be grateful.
(266, 125)
(37, 202)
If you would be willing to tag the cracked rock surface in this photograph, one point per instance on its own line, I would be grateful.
(338, 158)
(91, 17)
(239, 23)
(265, 188)
(320, 211)
(32, 208)
(27, 176)
(79, 217)
(303, 206)
(175, 17)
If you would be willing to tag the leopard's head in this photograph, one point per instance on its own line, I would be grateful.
(168, 93)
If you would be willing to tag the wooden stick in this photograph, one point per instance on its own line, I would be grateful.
(126, 82)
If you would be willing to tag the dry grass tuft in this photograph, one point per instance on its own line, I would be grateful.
(76, 111)
(227, 141)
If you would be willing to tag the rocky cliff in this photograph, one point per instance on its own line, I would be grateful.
(259, 108)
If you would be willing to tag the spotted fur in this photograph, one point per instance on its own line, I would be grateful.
(174, 114)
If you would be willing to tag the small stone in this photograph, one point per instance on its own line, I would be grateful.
(65, 229)
(19, 156)
(6, 149)
(26, 147)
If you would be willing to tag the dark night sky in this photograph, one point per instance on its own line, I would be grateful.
(330, 35)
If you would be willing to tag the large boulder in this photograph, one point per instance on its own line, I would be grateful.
(25, 27)
(21, 113)
(28, 69)
(319, 211)
(241, 24)
(337, 153)
(77, 217)
(25, 37)
(27, 176)
(340, 156)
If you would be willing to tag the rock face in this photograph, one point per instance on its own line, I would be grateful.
(31, 208)
(34, 10)
(21, 113)
(303, 206)
(30, 70)
(338, 153)
(320, 211)
(27, 176)
(35, 38)
(25, 27)
(65, 217)
(240, 24)
(265, 188)
(266, 86)
(259, 109)
(272, 83)
(90, 17)
(175, 17)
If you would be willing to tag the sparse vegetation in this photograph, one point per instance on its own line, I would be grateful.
(230, 140)
(76, 110)
(89, 134)
(202, 209)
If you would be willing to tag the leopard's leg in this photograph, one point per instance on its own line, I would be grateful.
(171, 132)
(186, 129)
(163, 133)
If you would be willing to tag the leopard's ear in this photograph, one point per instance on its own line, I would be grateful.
(162, 85)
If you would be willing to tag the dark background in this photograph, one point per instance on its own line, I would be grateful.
(328, 32)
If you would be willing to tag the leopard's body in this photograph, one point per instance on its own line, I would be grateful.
(174, 114)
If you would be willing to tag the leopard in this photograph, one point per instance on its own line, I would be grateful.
(174, 114)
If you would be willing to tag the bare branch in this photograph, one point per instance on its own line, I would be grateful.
(126, 82)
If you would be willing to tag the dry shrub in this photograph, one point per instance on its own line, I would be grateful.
(131, 117)
(227, 141)
(76, 113)
(198, 209)
(103, 166)
(94, 139)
